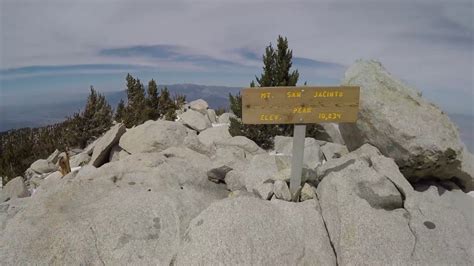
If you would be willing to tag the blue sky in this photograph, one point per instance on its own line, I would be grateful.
(54, 50)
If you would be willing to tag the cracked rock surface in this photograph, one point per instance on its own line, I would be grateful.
(375, 217)
(250, 231)
(133, 211)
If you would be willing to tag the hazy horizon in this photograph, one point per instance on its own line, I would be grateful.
(52, 50)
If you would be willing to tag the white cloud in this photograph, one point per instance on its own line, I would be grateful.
(423, 42)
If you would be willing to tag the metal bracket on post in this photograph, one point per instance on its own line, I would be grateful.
(299, 134)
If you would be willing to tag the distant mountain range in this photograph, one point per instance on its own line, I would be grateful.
(37, 115)
(217, 96)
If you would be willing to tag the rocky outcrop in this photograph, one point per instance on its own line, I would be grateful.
(102, 148)
(375, 217)
(15, 188)
(403, 126)
(249, 231)
(133, 211)
(153, 136)
(169, 195)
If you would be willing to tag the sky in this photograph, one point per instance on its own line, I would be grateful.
(54, 50)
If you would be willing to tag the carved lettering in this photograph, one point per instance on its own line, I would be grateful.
(265, 95)
(328, 94)
(329, 116)
(293, 94)
(269, 117)
(302, 110)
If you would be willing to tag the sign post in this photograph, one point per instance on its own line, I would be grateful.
(299, 133)
(299, 106)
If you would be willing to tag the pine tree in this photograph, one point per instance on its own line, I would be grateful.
(167, 106)
(236, 103)
(153, 100)
(90, 123)
(120, 111)
(283, 62)
(102, 119)
(136, 111)
(179, 100)
(277, 71)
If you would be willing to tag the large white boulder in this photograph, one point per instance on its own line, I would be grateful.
(404, 126)
(199, 105)
(250, 231)
(42, 166)
(196, 120)
(215, 134)
(15, 188)
(153, 136)
(225, 118)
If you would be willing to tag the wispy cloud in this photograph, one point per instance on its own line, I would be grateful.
(428, 43)
(36, 71)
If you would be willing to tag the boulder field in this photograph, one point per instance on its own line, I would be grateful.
(186, 192)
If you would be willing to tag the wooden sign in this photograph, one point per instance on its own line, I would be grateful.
(300, 105)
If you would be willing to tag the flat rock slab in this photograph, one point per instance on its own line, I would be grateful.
(251, 231)
(102, 148)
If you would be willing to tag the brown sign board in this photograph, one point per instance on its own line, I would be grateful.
(300, 105)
